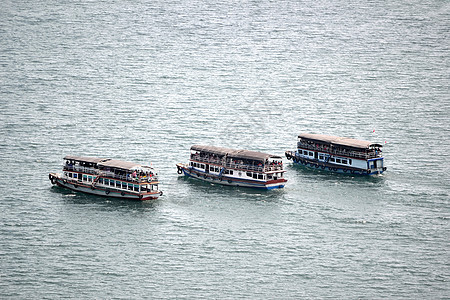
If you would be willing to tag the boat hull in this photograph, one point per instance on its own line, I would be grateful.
(323, 166)
(230, 181)
(102, 191)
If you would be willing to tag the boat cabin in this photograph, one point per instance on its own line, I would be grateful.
(218, 157)
(338, 146)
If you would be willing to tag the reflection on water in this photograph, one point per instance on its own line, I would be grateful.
(219, 190)
(110, 203)
(327, 175)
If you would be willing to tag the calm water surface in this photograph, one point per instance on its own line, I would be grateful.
(143, 81)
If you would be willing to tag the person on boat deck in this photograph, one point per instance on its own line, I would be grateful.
(134, 174)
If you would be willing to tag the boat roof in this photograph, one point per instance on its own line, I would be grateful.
(119, 164)
(244, 154)
(88, 159)
(336, 140)
(107, 162)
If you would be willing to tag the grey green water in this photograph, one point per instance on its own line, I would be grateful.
(144, 80)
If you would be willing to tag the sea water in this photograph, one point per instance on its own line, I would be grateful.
(142, 81)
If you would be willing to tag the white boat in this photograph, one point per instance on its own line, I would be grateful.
(234, 167)
(108, 177)
(338, 154)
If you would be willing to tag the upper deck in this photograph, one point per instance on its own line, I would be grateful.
(237, 159)
(111, 168)
(339, 146)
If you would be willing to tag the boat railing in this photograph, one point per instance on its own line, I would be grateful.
(274, 168)
(244, 167)
(349, 153)
(207, 159)
(234, 165)
(80, 169)
(137, 179)
(129, 177)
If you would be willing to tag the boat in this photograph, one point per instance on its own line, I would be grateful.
(338, 154)
(108, 177)
(233, 167)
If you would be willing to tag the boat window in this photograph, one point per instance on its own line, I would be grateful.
(332, 159)
(344, 161)
(349, 161)
(118, 184)
(136, 188)
(211, 168)
(70, 175)
(107, 181)
(75, 175)
(321, 157)
(84, 177)
(130, 186)
(255, 175)
(260, 176)
(338, 160)
(111, 182)
(100, 180)
(217, 169)
(249, 174)
(90, 178)
(311, 154)
(231, 172)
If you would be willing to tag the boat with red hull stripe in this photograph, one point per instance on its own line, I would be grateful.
(234, 167)
(108, 177)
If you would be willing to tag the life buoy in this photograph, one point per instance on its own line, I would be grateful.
(140, 197)
(123, 193)
(107, 192)
(52, 178)
(204, 176)
(323, 167)
(92, 187)
(64, 181)
(229, 181)
(220, 179)
(317, 166)
(75, 186)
